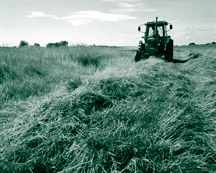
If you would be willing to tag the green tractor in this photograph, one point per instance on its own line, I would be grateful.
(157, 42)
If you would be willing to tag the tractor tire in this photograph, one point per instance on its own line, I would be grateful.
(138, 56)
(168, 55)
(141, 49)
(169, 51)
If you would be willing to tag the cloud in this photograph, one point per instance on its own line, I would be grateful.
(86, 17)
(125, 6)
(38, 14)
(132, 7)
(174, 21)
(188, 37)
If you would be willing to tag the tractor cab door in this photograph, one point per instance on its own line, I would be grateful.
(161, 39)
(160, 31)
(165, 31)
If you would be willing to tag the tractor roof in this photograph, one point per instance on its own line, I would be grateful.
(158, 23)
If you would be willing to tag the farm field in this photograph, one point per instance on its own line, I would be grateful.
(93, 109)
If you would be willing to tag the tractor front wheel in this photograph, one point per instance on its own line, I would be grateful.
(141, 49)
(138, 56)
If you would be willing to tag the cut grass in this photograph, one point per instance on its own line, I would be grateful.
(34, 71)
(150, 116)
(74, 83)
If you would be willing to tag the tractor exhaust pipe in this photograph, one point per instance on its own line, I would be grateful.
(156, 26)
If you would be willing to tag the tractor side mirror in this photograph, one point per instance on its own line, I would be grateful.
(171, 27)
(139, 28)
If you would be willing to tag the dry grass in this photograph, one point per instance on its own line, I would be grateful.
(93, 109)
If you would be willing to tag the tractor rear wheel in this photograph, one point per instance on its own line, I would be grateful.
(168, 55)
(169, 51)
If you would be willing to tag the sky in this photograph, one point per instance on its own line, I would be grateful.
(103, 22)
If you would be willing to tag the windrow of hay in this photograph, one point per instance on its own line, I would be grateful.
(150, 116)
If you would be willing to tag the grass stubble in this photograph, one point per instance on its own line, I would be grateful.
(93, 109)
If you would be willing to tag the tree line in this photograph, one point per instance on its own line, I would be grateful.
(49, 45)
(193, 44)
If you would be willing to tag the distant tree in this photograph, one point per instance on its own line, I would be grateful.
(207, 43)
(37, 45)
(58, 44)
(213, 42)
(192, 44)
(63, 43)
(49, 45)
(23, 43)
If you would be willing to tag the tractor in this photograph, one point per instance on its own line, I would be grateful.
(156, 41)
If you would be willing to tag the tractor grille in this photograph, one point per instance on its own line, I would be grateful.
(152, 45)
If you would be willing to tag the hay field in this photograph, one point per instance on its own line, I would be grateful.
(93, 109)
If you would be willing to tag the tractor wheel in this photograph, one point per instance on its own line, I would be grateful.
(141, 49)
(169, 51)
(138, 56)
(168, 55)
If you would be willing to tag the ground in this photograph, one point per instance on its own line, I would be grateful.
(93, 109)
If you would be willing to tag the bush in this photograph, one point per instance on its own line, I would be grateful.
(37, 45)
(23, 43)
(58, 44)
(192, 44)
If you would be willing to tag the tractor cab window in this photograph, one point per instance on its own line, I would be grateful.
(160, 30)
(165, 31)
(153, 31)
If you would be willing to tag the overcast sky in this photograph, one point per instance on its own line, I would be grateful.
(103, 22)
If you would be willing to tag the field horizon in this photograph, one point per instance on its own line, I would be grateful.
(94, 109)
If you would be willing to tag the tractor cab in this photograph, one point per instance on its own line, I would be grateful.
(155, 38)
(154, 30)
